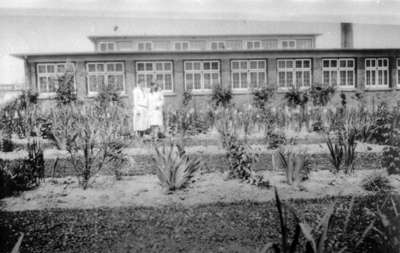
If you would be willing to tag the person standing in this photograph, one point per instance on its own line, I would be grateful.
(156, 102)
(140, 108)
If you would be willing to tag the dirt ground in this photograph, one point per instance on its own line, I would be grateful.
(208, 188)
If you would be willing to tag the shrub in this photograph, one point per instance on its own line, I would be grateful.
(187, 97)
(221, 96)
(296, 166)
(108, 95)
(261, 96)
(295, 97)
(175, 169)
(391, 160)
(66, 93)
(376, 182)
(320, 96)
(93, 133)
(336, 154)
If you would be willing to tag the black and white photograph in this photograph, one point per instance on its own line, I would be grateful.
(216, 126)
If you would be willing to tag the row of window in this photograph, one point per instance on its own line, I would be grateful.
(185, 45)
(204, 75)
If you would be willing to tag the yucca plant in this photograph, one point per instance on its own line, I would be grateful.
(175, 169)
(296, 166)
(284, 246)
(349, 150)
(336, 154)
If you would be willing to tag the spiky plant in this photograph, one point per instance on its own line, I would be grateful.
(376, 182)
(336, 154)
(175, 169)
(296, 166)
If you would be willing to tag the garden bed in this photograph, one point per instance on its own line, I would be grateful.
(368, 157)
(218, 227)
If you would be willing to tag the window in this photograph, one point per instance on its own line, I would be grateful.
(217, 45)
(201, 75)
(248, 74)
(253, 44)
(145, 46)
(294, 73)
(288, 44)
(338, 72)
(107, 46)
(376, 73)
(181, 45)
(48, 75)
(159, 72)
(398, 73)
(100, 74)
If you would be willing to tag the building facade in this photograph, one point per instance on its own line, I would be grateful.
(198, 63)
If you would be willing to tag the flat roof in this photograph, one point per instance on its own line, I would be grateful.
(311, 50)
(163, 36)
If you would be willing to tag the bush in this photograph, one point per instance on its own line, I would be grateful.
(391, 160)
(221, 96)
(187, 97)
(66, 93)
(175, 169)
(295, 98)
(261, 96)
(108, 95)
(336, 154)
(320, 96)
(376, 182)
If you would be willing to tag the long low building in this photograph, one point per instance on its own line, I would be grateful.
(200, 62)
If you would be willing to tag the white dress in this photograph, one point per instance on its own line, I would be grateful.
(140, 109)
(156, 102)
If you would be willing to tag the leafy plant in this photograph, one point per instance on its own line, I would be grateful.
(108, 95)
(295, 97)
(391, 160)
(221, 96)
(349, 149)
(295, 165)
(175, 169)
(66, 92)
(376, 182)
(261, 96)
(336, 154)
(187, 97)
(285, 246)
(320, 96)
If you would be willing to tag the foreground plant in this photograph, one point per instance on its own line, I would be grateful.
(336, 154)
(296, 166)
(376, 182)
(175, 169)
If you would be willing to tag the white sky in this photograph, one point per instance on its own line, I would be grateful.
(62, 25)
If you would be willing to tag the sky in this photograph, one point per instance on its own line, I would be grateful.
(63, 25)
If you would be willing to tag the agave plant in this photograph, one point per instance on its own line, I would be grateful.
(175, 168)
(336, 154)
(296, 166)
(284, 246)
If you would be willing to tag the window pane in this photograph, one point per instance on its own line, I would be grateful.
(119, 81)
(60, 68)
(207, 66)
(159, 66)
(380, 63)
(197, 81)
(342, 63)
(168, 82)
(110, 67)
(261, 64)
(333, 63)
(325, 63)
(334, 78)
(243, 65)
(289, 79)
(349, 77)
(100, 82)
(188, 66)
(50, 68)
(43, 84)
(214, 65)
(118, 67)
(289, 64)
(385, 77)
(253, 80)
(235, 65)
(253, 64)
(92, 83)
(215, 79)
(299, 79)
(373, 79)
(326, 77)
(368, 74)
(243, 80)
(214, 46)
(103, 47)
(185, 45)
(350, 63)
(189, 81)
(149, 79)
(367, 63)
(100, 67)
(235, 79)
(281, 64)
(177, 46)
(281, 79)
(207, 81)
(306, 64)
(197, 66)
(257, 44)
(373, 62)
(140, 78)
(261, 78)
(291, 44)
(342, 78)
(148, 46)
(159, 78)
(307, 79)
(51, 84)
(149, 66)
(42, 68)
(380, 77)
(167, 66)
(140, 66)
(299, 64)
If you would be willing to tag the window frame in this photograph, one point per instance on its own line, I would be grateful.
(288, 41)
(293, 70)
(105, 73)
(181, 42)
(145, 42)
(253, 42)
(201, 71)
(107, 43)
(376, 69)
(50, 75)
(155, 72)
(248, 71)
(217, 42)
(338, 69)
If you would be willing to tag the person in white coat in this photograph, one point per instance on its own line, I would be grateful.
(140, 109)
(156, 102)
